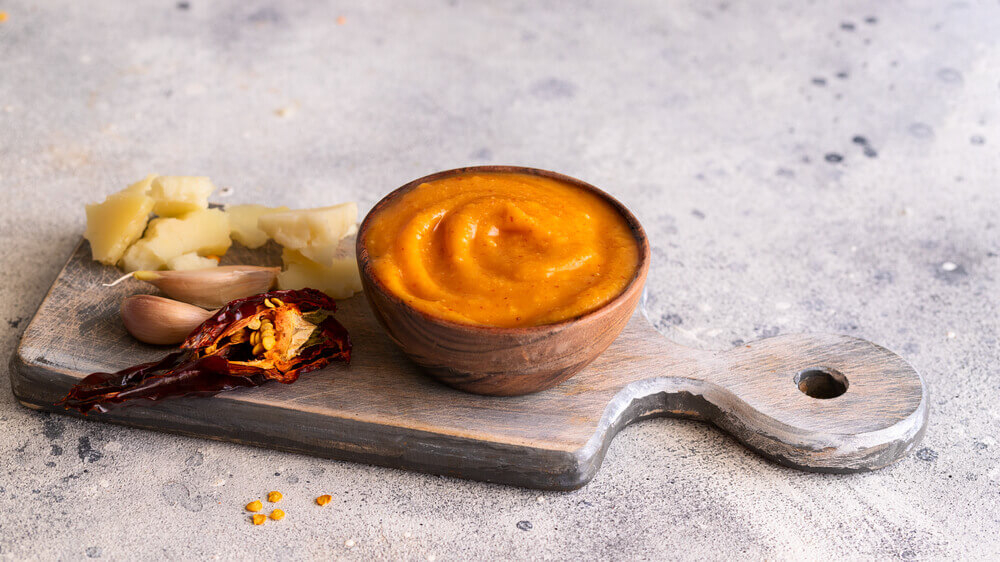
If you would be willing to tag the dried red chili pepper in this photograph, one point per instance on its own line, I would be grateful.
(272, 336)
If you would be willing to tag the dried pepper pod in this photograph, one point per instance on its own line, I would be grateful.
(271, 336)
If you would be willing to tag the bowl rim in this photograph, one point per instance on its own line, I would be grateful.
(634, 284)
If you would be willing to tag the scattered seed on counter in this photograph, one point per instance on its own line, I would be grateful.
(324, 499)
(277, 515)
(274, 497)
(255, 506)
(259, 519)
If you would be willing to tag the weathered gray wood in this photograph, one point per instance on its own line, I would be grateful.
(381, 410)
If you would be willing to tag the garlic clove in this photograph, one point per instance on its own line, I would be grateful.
(161, 321)
(212, 288)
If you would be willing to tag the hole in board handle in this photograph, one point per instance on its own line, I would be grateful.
(821, 382)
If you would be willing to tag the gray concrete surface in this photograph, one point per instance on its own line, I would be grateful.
(728, 127)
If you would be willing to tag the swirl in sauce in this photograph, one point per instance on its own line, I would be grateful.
(502, 249)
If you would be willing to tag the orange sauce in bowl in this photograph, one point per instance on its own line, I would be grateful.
(502, 249)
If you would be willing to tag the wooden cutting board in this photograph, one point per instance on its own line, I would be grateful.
(381, 410)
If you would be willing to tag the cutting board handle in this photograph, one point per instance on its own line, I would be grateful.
(818, 402)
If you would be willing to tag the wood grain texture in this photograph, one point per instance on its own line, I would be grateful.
(382, 410)
(501, 361)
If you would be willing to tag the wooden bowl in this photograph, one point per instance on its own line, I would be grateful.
(501, 361)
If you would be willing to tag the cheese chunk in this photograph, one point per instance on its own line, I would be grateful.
(190, 261)
(141, 187)
(115, 224)
(203, 232)
(326, 253)
(243, 223)
(178, 195)
(310, 227)
(139, 257)
(339, 278)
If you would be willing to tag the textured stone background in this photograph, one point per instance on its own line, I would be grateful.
(730, 128)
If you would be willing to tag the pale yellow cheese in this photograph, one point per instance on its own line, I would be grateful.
(190, 261)
(310, 227)
(203, 232)
(243, 223)
(339, 278)
(115, 224)
(141, 187)
(139, 257)
(326, 253)
(178, 195)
